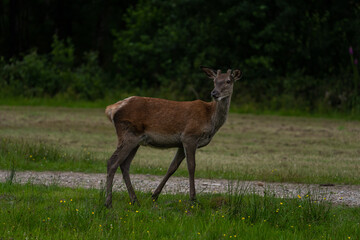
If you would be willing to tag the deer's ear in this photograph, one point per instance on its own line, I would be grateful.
(236, 75)
(209, 72)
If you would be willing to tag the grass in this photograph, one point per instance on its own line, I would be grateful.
(53, 212)
(41, 157)
(247, 147)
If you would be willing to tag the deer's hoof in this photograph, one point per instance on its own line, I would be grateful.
(154, 197)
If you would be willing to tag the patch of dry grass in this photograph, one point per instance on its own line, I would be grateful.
(266, 148)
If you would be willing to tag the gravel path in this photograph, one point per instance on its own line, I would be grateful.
(339, 194)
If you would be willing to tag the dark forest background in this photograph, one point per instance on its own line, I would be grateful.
(293, 54)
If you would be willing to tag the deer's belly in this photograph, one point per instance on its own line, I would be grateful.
(161, 141)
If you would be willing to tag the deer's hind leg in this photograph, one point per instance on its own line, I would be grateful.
(125, 167)
(126, 149)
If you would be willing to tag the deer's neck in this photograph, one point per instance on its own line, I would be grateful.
(221, 113)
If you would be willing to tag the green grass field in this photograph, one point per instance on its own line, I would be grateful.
(248, 147)
(51, 212)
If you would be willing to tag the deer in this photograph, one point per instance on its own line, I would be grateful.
(161, 123)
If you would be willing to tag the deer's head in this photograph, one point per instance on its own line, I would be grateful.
(223, 82)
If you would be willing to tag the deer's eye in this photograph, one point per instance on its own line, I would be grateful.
(228, 81)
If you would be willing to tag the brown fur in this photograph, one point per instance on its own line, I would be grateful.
(177, 117)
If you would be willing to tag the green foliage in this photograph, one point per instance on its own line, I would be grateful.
(62, 54)
(29, 77)
(89, 78)
(293, 54)
(285, 49)
(54, 74)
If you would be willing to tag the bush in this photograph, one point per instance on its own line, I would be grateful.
(50, 75)
(293, 54)
(285, 49)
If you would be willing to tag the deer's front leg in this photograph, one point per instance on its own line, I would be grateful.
(179, 157)
(190, 158)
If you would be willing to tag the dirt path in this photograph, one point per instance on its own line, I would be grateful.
(339, 194)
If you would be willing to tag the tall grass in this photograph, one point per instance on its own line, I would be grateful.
(52, 212)
(24, 155)
(309, 209)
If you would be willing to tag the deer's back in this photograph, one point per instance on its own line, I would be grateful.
(161, 118)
